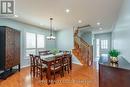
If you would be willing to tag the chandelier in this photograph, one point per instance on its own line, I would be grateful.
(51, 37)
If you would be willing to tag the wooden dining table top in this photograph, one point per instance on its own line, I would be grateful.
(50, 57)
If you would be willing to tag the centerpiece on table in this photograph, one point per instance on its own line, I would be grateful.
(114, 55)
(54, 51)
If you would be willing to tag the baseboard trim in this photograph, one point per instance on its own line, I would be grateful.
(77, 63)
(25, 66)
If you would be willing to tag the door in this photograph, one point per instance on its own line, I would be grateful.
(102, 45)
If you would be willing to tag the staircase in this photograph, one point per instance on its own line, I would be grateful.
(82, 50)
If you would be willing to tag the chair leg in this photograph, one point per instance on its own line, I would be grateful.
(41, 73)
(54, 78)
(46, 76)
(63, 71)
(32, 71)
(65, 68)
(36, 72)
(68, 68)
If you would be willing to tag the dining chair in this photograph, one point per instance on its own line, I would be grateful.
(47, 52)
(67, 52)
(32, 64)
(66, 63)
(56, 67)
(40, 67)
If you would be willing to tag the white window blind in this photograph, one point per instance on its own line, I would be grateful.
(34, 43)
(40, 41)
(30, 40)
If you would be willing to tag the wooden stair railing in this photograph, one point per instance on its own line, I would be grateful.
(82, 50)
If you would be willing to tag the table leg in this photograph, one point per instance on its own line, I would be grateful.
(33, 71)
(71, 63)
(19, 67)
(41, 72)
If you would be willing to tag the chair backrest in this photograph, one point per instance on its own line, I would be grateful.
(66, 58)
(67, 52)
(47, 52)
(57, 62)
(38, 60)
(32, 60)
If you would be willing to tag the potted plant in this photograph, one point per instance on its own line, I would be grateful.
(54, 51)
(114, 55)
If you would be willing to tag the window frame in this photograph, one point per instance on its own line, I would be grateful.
(36, 49)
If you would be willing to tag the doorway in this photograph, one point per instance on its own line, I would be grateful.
(102, 45)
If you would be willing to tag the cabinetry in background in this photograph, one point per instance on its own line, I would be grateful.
(9, 48)
(114, 74)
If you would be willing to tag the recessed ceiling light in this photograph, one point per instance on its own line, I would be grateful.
(100, 28)
(67, 10)
(15, 15)
(98, 23)
(80, 21)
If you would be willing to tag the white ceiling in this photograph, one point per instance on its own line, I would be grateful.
(89, 11)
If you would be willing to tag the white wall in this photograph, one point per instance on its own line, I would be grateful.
(65, 39)
(27, 28)
(65, 42)
(87, 36)
(121, 34)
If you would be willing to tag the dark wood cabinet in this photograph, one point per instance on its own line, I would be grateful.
(17, 48)
(9, 48)
(114, 74)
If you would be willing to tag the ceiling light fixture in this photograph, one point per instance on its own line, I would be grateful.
(80, 21)
(51, 37)
(98, 23)
(67, 10)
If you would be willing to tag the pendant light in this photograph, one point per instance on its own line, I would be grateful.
(51, 37)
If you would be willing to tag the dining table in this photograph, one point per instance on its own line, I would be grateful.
(48, 59)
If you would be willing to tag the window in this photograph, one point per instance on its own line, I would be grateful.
(30, 40)
(34, 43)
(98, 47)
(104, 44)
(40, 41)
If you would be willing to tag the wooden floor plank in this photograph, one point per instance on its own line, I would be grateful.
(80, 76)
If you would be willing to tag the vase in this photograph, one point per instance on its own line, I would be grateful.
(114, 59)
(114, 64)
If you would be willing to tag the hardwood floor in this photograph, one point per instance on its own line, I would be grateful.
(80, 76)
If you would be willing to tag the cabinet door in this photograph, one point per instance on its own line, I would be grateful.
(9, 48)
(17, 48)
(2, 48)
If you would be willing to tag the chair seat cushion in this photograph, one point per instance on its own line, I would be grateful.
(43, 66)
(65, 64)
(52, 68)
(57, 66)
